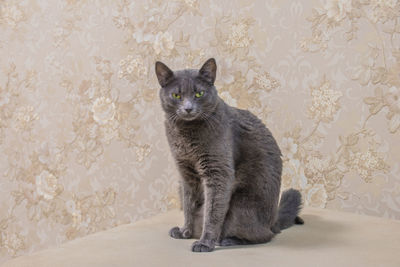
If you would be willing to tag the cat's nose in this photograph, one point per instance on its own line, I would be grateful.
(188, 110)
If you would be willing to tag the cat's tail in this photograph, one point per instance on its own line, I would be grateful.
(289, 209)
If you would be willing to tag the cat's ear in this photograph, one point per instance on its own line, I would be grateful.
(209, 70)
(164, 74)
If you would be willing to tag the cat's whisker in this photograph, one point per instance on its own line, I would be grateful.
(211, 121)
(208, 122)
(173, 118)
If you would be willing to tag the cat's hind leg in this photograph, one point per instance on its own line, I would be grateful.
(249, 220)
(239, 229)
(236, 241)
(232, 241)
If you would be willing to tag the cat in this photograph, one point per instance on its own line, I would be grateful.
(230, 164)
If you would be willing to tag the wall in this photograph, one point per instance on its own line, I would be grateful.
(82, 144)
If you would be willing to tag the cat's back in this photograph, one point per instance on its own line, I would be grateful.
(251, 133)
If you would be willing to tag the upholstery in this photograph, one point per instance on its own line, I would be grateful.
(328, 238)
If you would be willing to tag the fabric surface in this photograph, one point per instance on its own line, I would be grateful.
(328, 238)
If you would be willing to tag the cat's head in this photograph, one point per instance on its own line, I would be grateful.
(188, 94)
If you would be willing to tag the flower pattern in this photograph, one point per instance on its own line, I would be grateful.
(47, 185)
(324, 102)
(82, 147)
(103, 110)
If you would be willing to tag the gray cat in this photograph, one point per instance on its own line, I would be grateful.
(229, 163)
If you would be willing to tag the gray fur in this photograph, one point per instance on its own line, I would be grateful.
(289, 207)
(229, 163)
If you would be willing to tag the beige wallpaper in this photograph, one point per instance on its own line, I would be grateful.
(82, 144)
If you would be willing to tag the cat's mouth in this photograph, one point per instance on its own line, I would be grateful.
(188, 117)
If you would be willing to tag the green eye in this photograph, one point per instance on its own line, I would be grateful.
(199, 94)
(176, 96)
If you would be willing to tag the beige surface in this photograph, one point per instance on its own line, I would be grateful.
(329, 238)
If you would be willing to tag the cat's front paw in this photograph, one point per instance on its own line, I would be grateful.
(203, 246)
(180, 233)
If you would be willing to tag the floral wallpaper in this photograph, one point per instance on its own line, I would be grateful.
(82, 145)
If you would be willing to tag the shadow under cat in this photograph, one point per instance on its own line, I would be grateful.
(316, 232)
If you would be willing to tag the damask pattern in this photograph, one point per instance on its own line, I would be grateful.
(82, 144)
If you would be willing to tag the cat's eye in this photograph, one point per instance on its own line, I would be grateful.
(176, 96)
(199, 94)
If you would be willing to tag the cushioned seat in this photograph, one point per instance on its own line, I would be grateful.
(328, 238)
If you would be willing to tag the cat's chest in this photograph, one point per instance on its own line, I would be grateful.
(188, 145)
